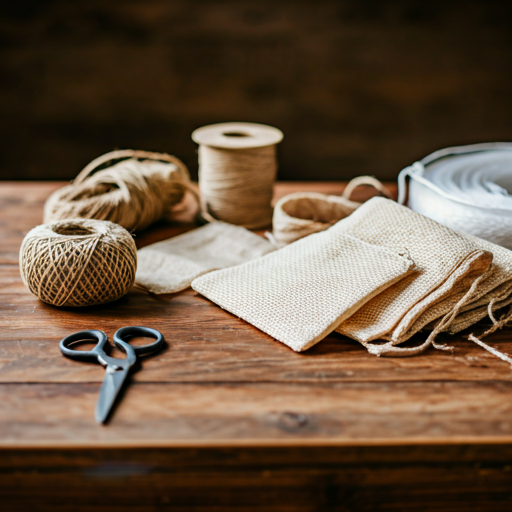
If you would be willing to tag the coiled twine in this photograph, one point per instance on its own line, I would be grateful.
(237, 171)
(466, 188)
(78, 262)
(302, 213)
(137, 189)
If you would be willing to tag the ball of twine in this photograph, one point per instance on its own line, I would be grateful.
(137, 189)
(78, 262)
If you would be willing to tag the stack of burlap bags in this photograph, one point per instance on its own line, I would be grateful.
(382, 273)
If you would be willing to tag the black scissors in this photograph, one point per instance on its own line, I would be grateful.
(116, 369)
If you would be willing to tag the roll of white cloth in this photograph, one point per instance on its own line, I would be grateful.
(466, 188)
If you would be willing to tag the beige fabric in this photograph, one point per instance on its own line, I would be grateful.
(171, 265)
(496, 287)
(302, 292)
(447, 264)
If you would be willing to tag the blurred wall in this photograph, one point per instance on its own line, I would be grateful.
(357, 86)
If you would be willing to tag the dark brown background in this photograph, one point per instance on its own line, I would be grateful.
(356, 86)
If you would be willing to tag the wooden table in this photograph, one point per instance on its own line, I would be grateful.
(226, 418)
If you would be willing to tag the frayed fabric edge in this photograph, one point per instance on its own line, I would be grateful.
(391, 350)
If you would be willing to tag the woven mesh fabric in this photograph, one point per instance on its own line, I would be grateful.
(496, 287)
(302, 292)
(458, 285)
(443, 299)
(443, 259)
(171, 265)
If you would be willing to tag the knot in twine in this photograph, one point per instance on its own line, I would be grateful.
(141, 188)
(78, 262)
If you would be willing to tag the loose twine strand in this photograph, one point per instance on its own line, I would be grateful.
(389, 349)
(365, 180)
(496, 324)
(236, 184)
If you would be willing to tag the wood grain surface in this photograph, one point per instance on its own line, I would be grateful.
(226, 418)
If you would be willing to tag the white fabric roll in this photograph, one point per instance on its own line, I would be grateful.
(467, 188)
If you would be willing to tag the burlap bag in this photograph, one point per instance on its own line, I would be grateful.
(495, 291)
(302, 292)
(449, 269)
(171, 265)
(300, 214)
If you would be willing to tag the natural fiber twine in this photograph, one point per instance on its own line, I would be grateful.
(302, 213)
(232, 190)
(141, 188)
(78, 262)
(237, 171)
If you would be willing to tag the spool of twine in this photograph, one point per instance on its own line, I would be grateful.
(237, 171)
(137, 189)
(78, 262)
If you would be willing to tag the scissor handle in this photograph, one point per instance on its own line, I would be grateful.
(84, 355)
(123, 335)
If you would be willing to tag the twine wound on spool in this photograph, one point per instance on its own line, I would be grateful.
(237, 171)
(78, 262)
(141, 188)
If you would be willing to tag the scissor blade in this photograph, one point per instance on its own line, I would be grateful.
(112, 384)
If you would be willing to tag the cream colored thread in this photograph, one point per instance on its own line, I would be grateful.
(492, 350)
(131, 193)
(236, 184)
(64, 265)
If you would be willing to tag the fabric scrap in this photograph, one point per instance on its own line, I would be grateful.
(171, 265)
(301, 293)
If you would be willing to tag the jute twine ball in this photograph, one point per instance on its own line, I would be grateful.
(136, 189)
(78, 262)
